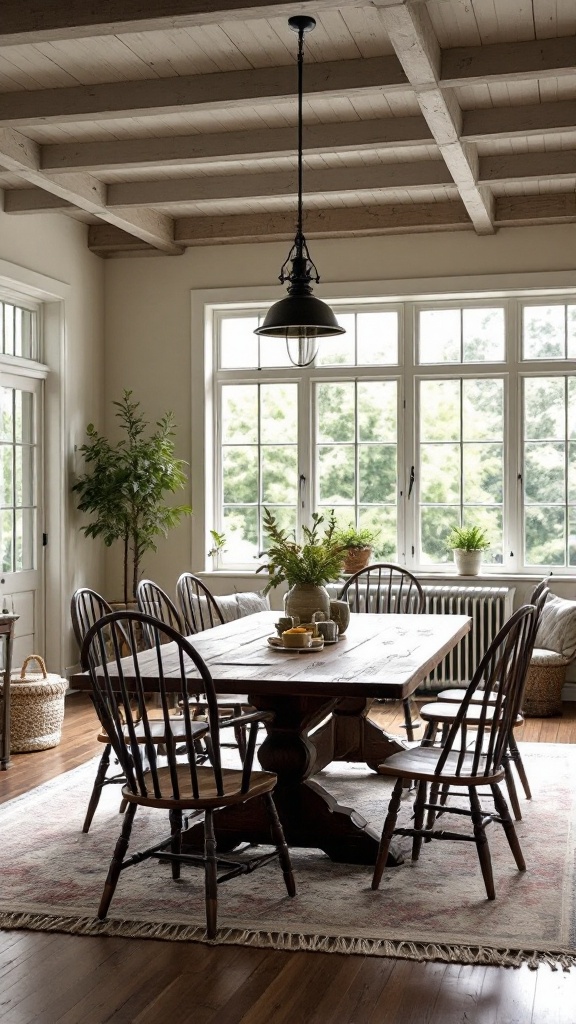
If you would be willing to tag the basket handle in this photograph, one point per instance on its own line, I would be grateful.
(41, 664)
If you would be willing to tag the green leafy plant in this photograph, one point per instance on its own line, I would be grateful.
(350, 537)
(125, 485)
(218, 542)
(317, 561)
(468, 538)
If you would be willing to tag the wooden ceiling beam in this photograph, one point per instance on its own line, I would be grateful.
(350, 136)
(513, 122)
(532, 58)
(21, 156)
(211, 188)
(422, 174)
(551, 208)
(183, 150)
(182, 94)
(528, 166)
(343, 222)
(27, 21)
(412, 36)
(338, 223)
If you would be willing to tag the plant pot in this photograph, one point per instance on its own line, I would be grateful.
(467, 562)
(356, 559)
(303, 599)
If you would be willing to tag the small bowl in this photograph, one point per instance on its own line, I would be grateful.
(297, 639)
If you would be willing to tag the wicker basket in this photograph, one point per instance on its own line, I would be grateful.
(544, 682)
(37, 708)
(356, 559)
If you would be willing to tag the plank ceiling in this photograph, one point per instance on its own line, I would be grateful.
(170, 123)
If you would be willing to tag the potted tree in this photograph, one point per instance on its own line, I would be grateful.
(468, 543)
(305, 567)
(358, 544)
(125, 486)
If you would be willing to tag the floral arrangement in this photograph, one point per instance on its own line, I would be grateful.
(317, 561)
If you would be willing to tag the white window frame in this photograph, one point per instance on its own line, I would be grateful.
(509, 289)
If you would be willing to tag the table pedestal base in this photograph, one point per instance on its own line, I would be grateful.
(298, 745)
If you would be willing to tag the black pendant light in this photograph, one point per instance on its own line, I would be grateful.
(300, 318)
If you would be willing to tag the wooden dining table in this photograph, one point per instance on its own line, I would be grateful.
(320, 701)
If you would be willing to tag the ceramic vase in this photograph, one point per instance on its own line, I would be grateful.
(467, 562)
(303, 599)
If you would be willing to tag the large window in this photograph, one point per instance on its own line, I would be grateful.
(423, 416)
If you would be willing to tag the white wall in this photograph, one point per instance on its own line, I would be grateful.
(148, 325)
(50, 254)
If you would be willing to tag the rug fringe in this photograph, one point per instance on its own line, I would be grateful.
(294, 942)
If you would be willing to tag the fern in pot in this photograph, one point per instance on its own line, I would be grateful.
(358, 543)
(467, 544)
(307, 567)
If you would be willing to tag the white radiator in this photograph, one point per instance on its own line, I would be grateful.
(488, 607)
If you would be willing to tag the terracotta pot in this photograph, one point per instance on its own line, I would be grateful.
(467, 562)
(303, 599)
(356, 559)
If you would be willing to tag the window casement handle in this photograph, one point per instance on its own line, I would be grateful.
(411, 481)
(301, 489)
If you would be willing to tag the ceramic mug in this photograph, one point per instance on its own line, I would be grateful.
(328, 629)
(340, 612)
(286, 622)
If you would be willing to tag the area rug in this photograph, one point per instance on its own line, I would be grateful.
(435, 909)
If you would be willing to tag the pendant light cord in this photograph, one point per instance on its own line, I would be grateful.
(299, 231)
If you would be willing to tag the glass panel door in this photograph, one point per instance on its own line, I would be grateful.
(20, 509)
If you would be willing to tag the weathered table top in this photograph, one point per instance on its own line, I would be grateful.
(378, 656)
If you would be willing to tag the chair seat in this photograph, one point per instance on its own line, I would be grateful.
(158, 731)
(442, 711)
(260, 783)
(456, 694)
(421, 762)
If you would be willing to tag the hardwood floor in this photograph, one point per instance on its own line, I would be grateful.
(61, 979)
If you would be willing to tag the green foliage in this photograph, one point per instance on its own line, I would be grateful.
(124, 487)
(350, 537)
(218, 542)
(468, 538)
(318, 561)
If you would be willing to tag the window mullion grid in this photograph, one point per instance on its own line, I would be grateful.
(307, 449)
(356, 452)
(566, 471)
(14, 567)
(461, 444)
(260, 496)
(408, 440)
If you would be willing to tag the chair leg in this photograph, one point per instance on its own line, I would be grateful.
(280, 844)
(387, 833)
(419, 817)
(409, 722)
(175, 816)
(431, 818)
(511, 787)
(517, 759)
(116, 862)
(430, 735)
(482, 844)
(508, 826)
(210, 875)
(240, 734)
(97, 787)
